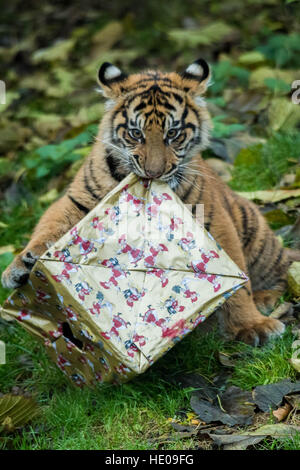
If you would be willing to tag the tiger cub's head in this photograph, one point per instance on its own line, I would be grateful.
(155, 122)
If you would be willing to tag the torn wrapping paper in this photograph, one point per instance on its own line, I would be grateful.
(124, 285)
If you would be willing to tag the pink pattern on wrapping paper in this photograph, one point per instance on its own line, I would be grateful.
(122, 369)
(200, 269)
(58, 332)
(41, 276)
(139, 339)
(131, 346)
(85, 245)
(178, 329)
(136, 203)
(98, 225)
(70, 346)
(151, 316)
(23, 315)
(22, 297)
(41, 296)
(117, 272)
(65, 273)
(199, 319)
(97, 306)
(118, 323)
(83, 289)
(98, 377)
(175, 222)
(114, 214)
(161, 274)
(187, 243)
(172, 305)
(63, 255)
(133, 295)
(62, 362)
(150, 260)
(89, 347)
(70, 314)
(184, 287)
(135, 254)
(200, 266)
(152, 208)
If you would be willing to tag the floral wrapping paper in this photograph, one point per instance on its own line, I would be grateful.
(125, 284)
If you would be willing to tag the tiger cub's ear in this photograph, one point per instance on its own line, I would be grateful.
(111, 80)
(196, 76)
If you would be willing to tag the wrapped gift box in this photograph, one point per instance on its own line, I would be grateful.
(125, 284)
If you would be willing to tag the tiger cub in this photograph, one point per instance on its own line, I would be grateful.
(156, 125)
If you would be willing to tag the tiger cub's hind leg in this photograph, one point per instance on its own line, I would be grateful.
(265, 300)
(240, 319)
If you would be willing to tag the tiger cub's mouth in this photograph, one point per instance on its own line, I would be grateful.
(172, 177)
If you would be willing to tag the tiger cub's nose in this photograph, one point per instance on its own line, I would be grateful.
(153, 174)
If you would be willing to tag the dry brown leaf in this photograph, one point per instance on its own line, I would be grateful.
(285, 308)
(282, 412)
(272, 195)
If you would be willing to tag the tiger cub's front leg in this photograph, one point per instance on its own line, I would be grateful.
(56, 221)
(82, 196)
(240, 318)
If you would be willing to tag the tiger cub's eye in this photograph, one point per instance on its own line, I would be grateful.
(172, 133)
(136, 133)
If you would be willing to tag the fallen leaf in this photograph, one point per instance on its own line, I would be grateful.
(251, 58)
(225, 359)
(295, 231)
(60, 50)
(16, 411)
(271, 395)
(239, 404)
(7, 249)
(210, 413)
(280, 110)
(294, 401)
(204, 388)
(182, 428)
(295, 363)
(209, 34)
(276, 430)
(277, 218)
(49, 197)
(287, 180)
(286, 308)
(236, 441)
(243, 440)
(294, 278)
(258, 77)
(282, 412)
(272, 195)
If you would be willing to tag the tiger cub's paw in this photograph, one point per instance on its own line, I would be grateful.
(17, 273)
(259, 333)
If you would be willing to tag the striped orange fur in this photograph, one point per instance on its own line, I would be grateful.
(156, 125)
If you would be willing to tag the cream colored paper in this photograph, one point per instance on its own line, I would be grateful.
(128, 281)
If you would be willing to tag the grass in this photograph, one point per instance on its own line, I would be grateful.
(262, 166)
(282, 444)
(133, 415)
